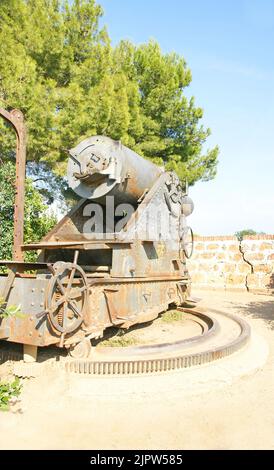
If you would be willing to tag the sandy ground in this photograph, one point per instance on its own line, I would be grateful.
(55, 414)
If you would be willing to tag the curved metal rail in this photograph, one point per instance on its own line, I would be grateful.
(154, 358)
(161, 364)
(209, 325)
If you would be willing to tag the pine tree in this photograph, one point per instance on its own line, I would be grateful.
(58, 67)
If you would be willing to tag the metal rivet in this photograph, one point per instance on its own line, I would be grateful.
(31, 318)
(32, 304)
(41, 304)
(30, 333)
(43, 290)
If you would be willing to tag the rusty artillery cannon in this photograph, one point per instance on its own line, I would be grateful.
(116, 259)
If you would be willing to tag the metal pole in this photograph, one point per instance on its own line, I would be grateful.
(16, 119)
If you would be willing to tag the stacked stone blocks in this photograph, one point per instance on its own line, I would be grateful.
(224, 262)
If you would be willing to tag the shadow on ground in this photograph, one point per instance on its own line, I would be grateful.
(271, 283)
(263, 310)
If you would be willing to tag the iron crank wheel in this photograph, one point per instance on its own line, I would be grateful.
(67, 297)
(186, 243)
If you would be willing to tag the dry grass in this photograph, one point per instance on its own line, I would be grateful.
(171, 316)
(120, 340)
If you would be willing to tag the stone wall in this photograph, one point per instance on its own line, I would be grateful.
(223, 262)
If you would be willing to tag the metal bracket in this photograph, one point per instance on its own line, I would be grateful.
(8, 284)
(110, 306)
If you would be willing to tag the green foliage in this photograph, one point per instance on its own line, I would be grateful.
(8, 390)
(37, 222)
(11, 310)
(59, 68)
(242, 233)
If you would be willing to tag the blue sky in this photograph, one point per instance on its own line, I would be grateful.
(229, 46)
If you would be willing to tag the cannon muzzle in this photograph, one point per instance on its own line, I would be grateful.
(100, 166)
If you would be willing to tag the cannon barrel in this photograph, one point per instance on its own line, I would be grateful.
(100, 166)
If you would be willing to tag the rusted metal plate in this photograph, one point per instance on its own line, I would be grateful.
(110, 302)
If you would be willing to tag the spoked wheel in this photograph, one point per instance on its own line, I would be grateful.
(67, 297)
(81, 350)
(186, 243)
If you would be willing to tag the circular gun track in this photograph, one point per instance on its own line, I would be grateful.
(146, 359)
(145, 365)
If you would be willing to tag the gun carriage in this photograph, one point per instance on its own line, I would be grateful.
(118, 258)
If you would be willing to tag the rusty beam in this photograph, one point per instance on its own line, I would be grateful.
(87, 245)
(21, 265)
(16, 119)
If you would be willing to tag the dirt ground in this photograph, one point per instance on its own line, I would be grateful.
(55, 414)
